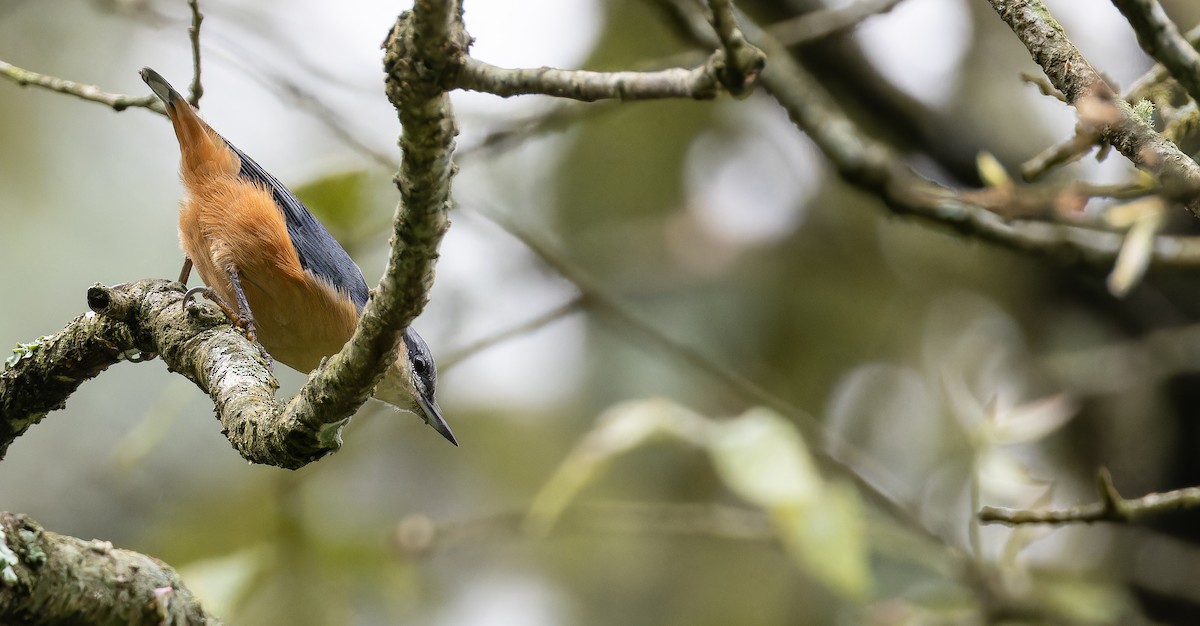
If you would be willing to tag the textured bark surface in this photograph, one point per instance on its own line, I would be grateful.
(47, 578)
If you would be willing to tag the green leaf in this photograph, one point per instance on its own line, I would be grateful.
(762, 458)
(339, 201)
(829, 539)
(619, 430)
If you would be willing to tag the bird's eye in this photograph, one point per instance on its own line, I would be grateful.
(421, 365)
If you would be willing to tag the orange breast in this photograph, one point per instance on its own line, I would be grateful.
(227, 223)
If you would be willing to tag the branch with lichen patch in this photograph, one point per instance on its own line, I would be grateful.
(231, 369)
(1149, 86)
(1161, 39)
(1097, 103)
(49, 578)
(147, 317)
(419, 52)
(118, 102)
(1111, 508)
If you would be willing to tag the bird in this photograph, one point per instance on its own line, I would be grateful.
(272, 267)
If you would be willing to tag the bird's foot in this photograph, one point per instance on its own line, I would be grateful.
(242, 323)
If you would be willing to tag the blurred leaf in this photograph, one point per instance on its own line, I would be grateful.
(991, 172)
(829, 539)
(1082, 601)
(154, 425)
(618, 430)
(762, 458)
(339, 201)
(1136, 251)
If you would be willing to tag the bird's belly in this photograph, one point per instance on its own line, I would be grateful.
(299, 323)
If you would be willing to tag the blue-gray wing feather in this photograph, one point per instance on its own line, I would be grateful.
(319, 252)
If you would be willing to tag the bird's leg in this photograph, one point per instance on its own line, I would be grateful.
(244, 318)
(241, 318)
(216, 299)
(186, 271)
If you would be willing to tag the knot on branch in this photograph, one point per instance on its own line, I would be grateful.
(738, 69)
(420, 63)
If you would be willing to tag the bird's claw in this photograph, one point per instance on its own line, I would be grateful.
(242, 323)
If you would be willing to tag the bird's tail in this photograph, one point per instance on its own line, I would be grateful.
(200, 146)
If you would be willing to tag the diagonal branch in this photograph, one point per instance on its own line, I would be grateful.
(820, 23)
(420, 50)
(1083, 86)
(874, 167)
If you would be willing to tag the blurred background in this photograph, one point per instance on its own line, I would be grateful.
(716, 244)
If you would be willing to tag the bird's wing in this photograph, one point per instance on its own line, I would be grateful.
(320, 254)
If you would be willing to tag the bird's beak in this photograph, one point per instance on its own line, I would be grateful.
(433, 417)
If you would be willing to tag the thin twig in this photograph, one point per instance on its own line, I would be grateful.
(466, 352)
(699, 83)
(822, 23)
(196, 90)
(743, 60)
(1111, 507)
(118, 102)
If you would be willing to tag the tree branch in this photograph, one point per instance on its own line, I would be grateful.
(743, 61)
(874, 167)
(1098, 105)
(196, 89)
(55, 579)
(1111, 508)
(1078, 145)
(822, 23)
(699, 83)
(1160, 38)
(118, 102)
(147, 317)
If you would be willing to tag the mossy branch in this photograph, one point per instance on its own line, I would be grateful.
(147, 318)
(47, 578)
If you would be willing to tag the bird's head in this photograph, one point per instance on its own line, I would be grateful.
(421, 382)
